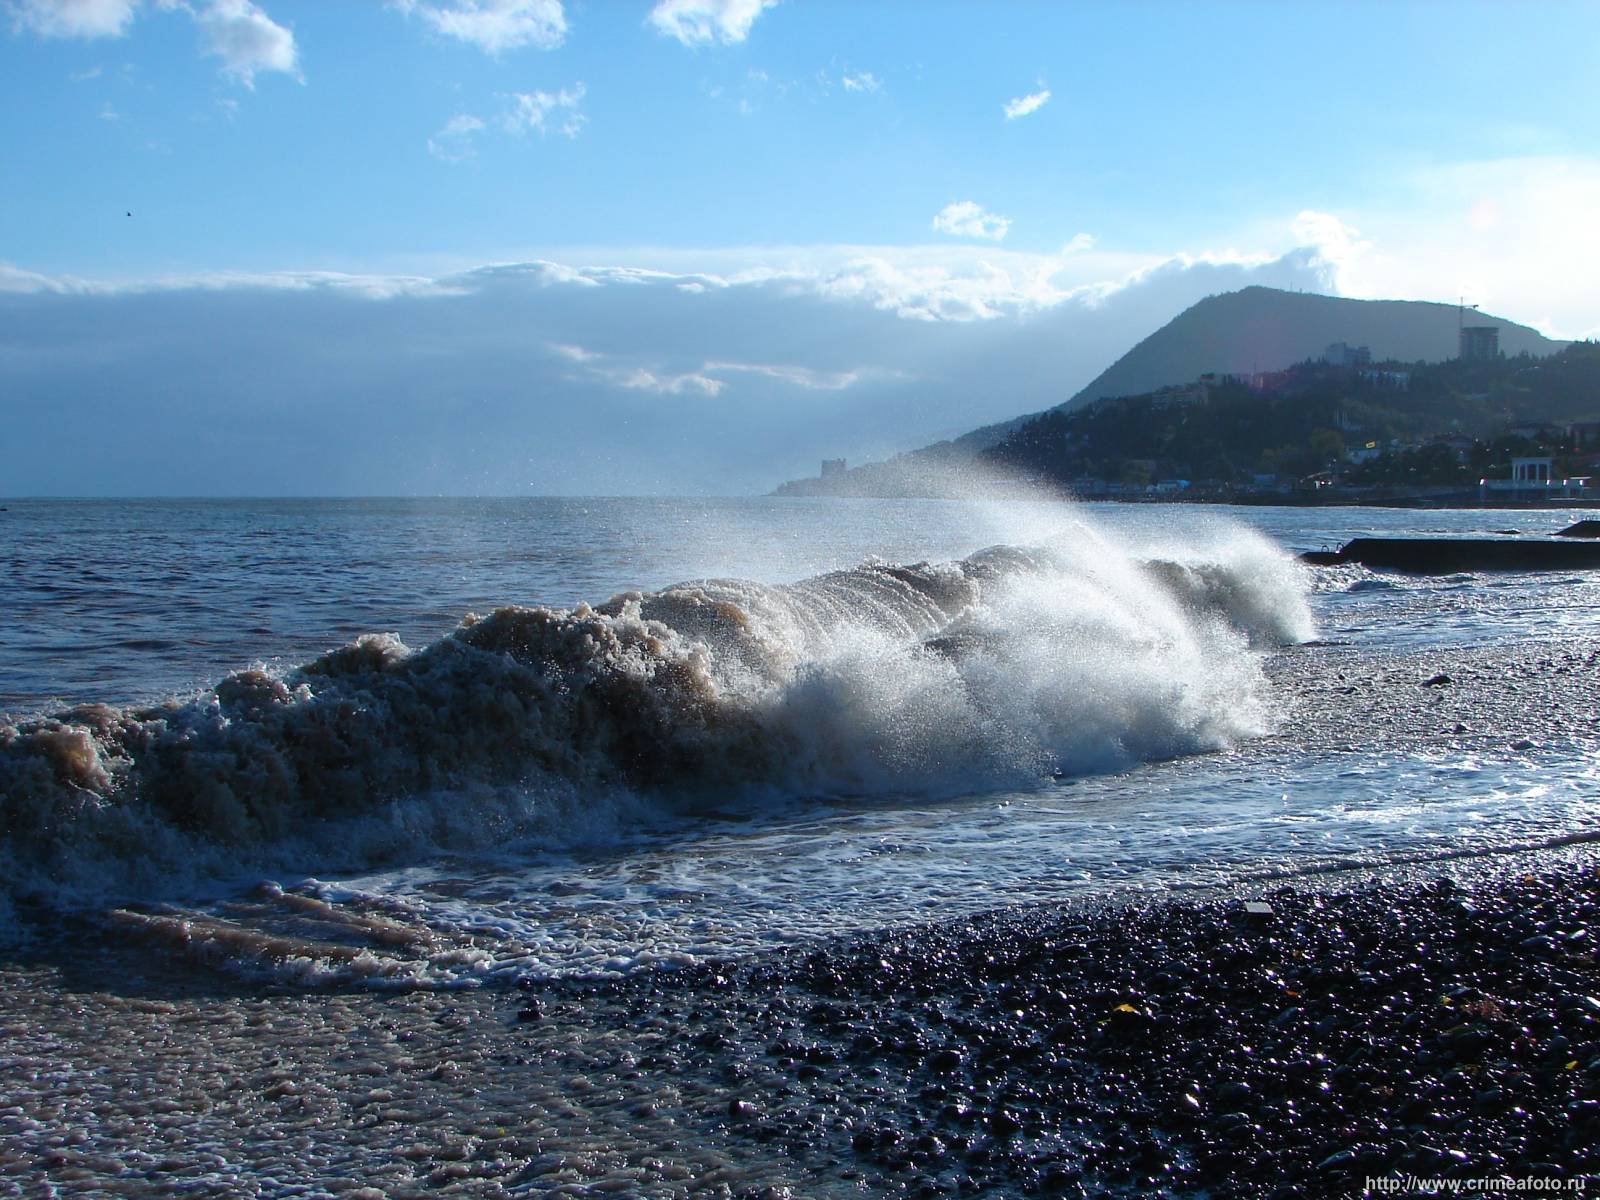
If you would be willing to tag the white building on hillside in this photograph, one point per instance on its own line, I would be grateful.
(1533, 479)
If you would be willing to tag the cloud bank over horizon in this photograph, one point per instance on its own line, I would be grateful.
(546, 378)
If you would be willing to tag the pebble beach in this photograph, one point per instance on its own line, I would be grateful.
(1299, 1044)
(1435, 1020)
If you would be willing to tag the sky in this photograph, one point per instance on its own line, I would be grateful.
(509, 246)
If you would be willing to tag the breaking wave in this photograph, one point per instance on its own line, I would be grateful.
(1001, 669)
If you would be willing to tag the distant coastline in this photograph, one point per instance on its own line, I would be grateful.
(1464, 433)
(1402, 416)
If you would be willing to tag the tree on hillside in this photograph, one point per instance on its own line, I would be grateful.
(1217, 433)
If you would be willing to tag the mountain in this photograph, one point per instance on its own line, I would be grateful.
(1254, 329)
(1263, 329)
(1440, 426)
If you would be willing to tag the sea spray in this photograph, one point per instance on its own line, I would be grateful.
(1010, 666)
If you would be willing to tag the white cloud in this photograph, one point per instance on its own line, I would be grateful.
(544, 111)
(575, 353)
(860, 81)
(634, 376)
(932, 283)
(916, 284)
(1079, 243)
(455, 140)
(805, 377)
(655, 378)
(703, 22)
(73, 18)
(1021, 106)
(372, 287)
(968, 218)
(946, 291)
(1516, 235)
(236, 31)
(640, 380)
(558, 378)
(1335, 241)
(543, 274)
(495, 26)
(245, 39)
(15, 279)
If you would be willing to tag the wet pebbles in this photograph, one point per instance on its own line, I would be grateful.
(1296, 1044)
(1289, 1043)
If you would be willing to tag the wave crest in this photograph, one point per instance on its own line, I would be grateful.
(999, 669)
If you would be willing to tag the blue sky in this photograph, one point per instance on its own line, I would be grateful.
(944, 164)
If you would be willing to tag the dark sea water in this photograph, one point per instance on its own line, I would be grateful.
(759, 760)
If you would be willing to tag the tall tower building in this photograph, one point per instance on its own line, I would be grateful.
(1479, 342)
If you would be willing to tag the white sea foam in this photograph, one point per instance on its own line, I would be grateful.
(1009, 666)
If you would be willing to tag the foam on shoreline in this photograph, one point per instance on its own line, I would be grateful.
(1012, 665)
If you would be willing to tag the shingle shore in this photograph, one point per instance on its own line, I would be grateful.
(1298, 1046)
(1437, 1021)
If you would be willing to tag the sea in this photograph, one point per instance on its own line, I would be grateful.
(457, 743)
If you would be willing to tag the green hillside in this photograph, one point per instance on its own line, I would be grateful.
(1411, 422)
(1252, 331)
